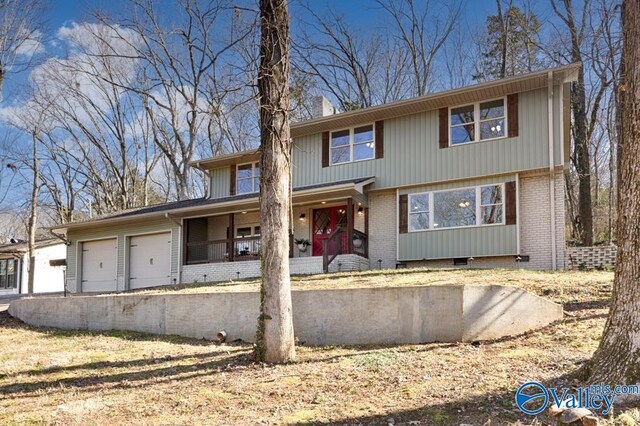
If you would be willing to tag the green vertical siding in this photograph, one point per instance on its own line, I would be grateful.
(461, 242)
(220, 182)
(412, 155)
(494, 240)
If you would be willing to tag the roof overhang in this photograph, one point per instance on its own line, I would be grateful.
(299, 197)
(227, 159)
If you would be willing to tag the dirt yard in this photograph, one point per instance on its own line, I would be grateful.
(84, 378)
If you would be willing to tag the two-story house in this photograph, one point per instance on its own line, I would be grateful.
(471, 177)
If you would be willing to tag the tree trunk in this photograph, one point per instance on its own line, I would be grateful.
(32, 217)
(617, 359)
(583, 162)
(275, 340)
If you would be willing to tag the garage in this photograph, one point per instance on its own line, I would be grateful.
(99, 265)
(149, 260)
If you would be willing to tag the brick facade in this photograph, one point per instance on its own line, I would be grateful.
(224, 271)
(383, 229)
(535, 222)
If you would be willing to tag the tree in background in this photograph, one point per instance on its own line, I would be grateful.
(617, 359)
(20, 35)
(577, 29)
(511, 46)
(275, 340)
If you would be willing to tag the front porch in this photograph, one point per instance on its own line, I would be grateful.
(228, 246)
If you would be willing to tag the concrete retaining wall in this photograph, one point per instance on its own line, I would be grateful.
(597, 257)
(420, 314)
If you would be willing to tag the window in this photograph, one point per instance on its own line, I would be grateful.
(454, 208)
(251, 246)
(248, 178)
(350, 145)
(418, 212)
(475, 206)
(478, 122)
(8, 269)
(491, 204)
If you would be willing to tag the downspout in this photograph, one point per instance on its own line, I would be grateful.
(552, 186)
(179, 223)
(518, 213)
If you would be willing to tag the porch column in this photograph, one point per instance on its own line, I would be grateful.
(230, 237)
(350, 226)
(366, 231)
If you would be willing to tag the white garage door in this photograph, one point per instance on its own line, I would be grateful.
(99, 265)
(149, 260)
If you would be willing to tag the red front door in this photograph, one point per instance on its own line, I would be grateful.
(325, 222)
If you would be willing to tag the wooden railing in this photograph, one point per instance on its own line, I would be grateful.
(339, 243)
(227, 250)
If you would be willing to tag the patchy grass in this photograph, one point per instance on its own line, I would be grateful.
(76, 377)
(560, 286)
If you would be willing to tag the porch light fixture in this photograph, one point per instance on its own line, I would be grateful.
(323, 202)
(360, 211)
(302, 217)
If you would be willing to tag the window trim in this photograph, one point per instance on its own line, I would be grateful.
(253, 178)
(6, 273)
(477, 121)
(352, 144)
(478, 192)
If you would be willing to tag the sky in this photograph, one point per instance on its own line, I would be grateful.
(365, 14)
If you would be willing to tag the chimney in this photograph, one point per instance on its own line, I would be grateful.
(321, 107)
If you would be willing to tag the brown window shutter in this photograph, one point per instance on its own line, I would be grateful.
(510, 202)
(325, 149)
(444, 127)
(379, 139)
(403, 211)
(512, 115)
(232, 180)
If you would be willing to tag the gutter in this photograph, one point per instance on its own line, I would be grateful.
(163, 214)
(552, 177)
(180, 236)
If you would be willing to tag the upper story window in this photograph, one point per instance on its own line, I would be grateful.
(248, 178)
(354, 144)
(476, 206)
(476, 122)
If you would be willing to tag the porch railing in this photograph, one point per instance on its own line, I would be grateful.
(339, 242)
(227, 250)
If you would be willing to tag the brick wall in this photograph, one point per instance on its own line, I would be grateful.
(225, 271)
(535, 222)
(598, 257)
(382, 229)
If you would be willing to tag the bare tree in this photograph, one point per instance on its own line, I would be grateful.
(275, 339)
(35, 187)
(577, 27)
(20, 35)
(422, 28)
(617, 359)
(343, 61)
(184, 80)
